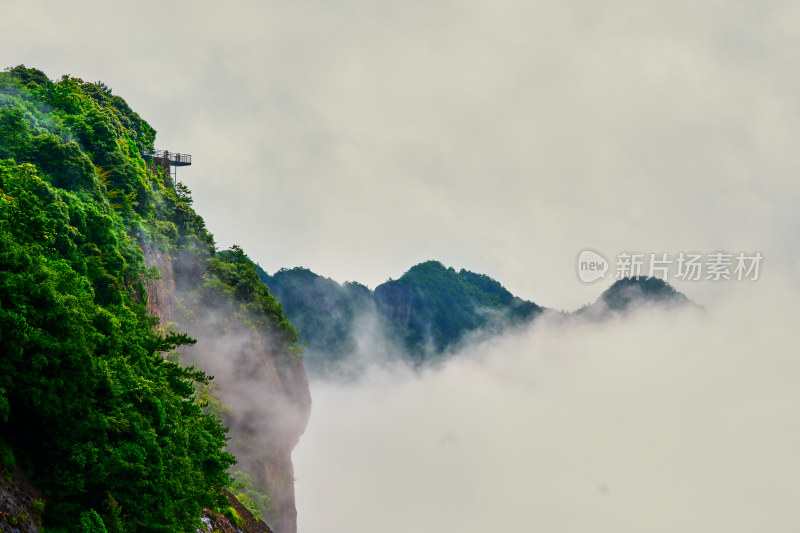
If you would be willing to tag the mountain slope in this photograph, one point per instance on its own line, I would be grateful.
(428, 311)
(96, 247)
(432, 307)
(628, 295)
(324, 312)
(424, 313)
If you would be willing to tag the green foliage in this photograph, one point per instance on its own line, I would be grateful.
(120, 437)
(91, 408)
(427, 311)
(69, 129)
(7, 459)
(29, 76)
(14, 131)
(91, 523)
(249, 504)
(65, 162)
(90, 397)
(627, 293)
(255, 499)
(323, 311)
(19, 518)
(112, 513)
(432, 307)
(231, 514)
(232, 278)
(4, 406)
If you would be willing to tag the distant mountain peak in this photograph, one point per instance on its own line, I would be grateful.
(628, 293)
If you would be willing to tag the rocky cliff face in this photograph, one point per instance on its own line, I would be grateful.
(266, 395)
(394, 301)
(160, 292)
(20, 503)
(217, 523)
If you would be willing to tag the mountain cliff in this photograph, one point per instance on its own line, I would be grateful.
(260, 390)
(135, 357)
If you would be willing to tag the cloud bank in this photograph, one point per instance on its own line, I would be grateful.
(663, 422)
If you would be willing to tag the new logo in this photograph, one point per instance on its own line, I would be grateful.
(591, 266)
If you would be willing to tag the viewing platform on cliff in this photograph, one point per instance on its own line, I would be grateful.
(169, 160)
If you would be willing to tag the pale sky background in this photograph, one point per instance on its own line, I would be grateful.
(359, 138)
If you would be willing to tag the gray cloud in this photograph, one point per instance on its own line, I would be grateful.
(663, 422)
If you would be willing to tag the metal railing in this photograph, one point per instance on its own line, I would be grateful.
(173, 158)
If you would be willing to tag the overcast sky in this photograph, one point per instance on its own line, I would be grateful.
(358, 138)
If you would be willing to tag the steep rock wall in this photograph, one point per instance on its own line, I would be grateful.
(267, 396)
(19, 512)
(394, 301)
(217, 523)
(160, 292)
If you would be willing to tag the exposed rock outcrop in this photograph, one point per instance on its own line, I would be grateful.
(216, 523)
(160, 292)
(21, 503)
(265, 392)
(394, 302)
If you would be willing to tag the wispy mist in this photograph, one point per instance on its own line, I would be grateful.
(665, 421)
(259, 387)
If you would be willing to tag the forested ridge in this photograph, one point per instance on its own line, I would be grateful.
(424, 314)
(112, 432)
(427, 313)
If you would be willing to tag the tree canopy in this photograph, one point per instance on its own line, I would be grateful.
(108, 428)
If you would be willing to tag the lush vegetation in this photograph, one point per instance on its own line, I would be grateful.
(628, 293)
(433, 307)
(112, 431)
(425, 312)
(428, 310)
(232, 278)
(323, 311)
(229, 307)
